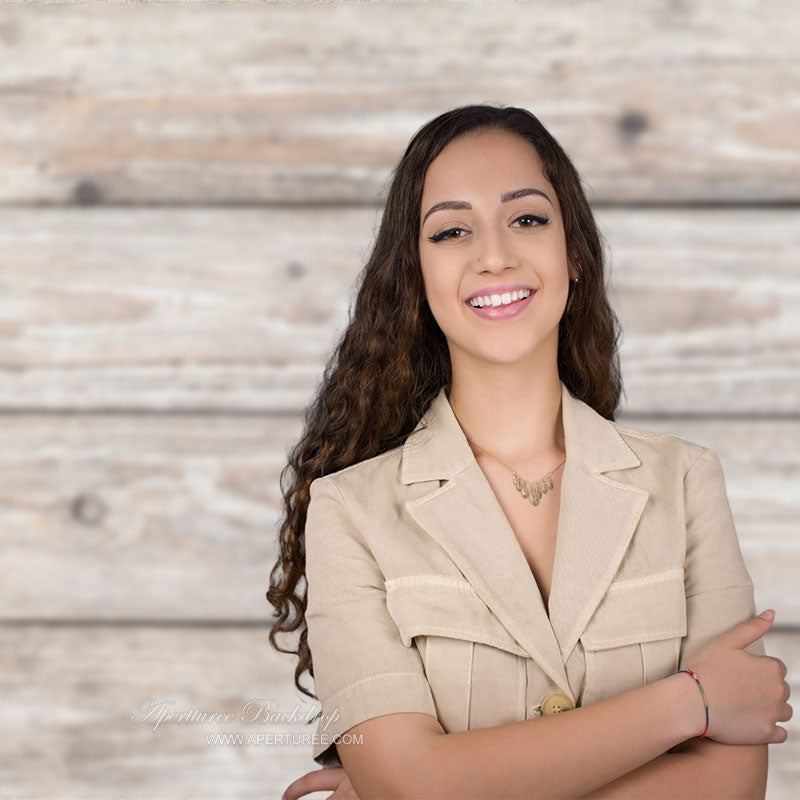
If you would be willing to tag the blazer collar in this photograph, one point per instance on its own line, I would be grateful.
(597, 518)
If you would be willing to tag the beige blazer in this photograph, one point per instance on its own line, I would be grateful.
(420, 597)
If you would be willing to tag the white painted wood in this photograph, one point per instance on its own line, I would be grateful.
(239, 309)
(69, 694)
(81, 706)
(136, 103)
(154, 361)
(116, 517)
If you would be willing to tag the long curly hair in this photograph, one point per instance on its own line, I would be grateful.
(392, 359)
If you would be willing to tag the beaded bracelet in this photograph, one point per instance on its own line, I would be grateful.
(694, 675)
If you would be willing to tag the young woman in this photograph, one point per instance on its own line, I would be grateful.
(484, 547)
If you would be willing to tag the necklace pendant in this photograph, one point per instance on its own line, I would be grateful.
(533, 491)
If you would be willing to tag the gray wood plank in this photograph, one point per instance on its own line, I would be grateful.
(155, 518)
(175, 518)
(238, 309)
(131, 103)
(84, 713)
(69, 695)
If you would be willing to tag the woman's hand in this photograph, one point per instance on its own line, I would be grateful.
(747, 694)
(319, 781)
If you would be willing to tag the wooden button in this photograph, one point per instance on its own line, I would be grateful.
(556, 703)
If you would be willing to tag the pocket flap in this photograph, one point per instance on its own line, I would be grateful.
(438, 605)
(639, 609)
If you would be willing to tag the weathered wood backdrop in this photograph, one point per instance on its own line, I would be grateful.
(189, 192)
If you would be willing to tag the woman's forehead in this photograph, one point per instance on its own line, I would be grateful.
(489, 166)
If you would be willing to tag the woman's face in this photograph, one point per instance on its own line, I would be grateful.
(489, 245)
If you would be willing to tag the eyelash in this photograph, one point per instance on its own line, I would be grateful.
(542, 220)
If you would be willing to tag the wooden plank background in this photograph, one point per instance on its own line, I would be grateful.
(187, 195)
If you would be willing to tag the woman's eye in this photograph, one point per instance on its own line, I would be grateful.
(539, 219)
(536, 221)
(444, 235)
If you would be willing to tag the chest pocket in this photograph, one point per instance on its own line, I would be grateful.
(634, 636)
(475, 668)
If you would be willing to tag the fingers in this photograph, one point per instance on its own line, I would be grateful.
(345, 792)
(780, 664)
(779, 735)
(318, 780)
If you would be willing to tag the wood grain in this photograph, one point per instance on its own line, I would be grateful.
(116, 517)
(188, 192)
(238, 309)
(658, 102)
(70, 694)
(83, 713)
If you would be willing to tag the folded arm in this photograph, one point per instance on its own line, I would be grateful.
(719, 595)
(700, 768)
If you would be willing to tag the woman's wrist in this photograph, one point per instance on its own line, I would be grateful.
(689, 711)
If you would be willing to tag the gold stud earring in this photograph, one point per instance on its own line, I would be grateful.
(574, 282)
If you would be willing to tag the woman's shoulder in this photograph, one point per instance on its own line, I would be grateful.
(370, 474)
(660, 447)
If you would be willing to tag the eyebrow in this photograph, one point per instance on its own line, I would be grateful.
(504, 198)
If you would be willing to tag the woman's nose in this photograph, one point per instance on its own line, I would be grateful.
(495, 251)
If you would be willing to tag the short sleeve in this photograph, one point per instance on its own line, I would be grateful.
(362, 669)
(719, 590)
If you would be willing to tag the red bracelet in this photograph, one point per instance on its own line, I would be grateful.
(694, 675)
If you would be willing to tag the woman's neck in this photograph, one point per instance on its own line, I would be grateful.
(521, 425)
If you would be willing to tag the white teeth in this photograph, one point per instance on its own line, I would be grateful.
(499, 299)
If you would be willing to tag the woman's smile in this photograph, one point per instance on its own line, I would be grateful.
(499, 309)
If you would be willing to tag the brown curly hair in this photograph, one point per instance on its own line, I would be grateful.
(392, 359)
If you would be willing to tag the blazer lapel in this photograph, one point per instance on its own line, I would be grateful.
(597, 518)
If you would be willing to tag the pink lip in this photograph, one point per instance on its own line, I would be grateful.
(503, 312)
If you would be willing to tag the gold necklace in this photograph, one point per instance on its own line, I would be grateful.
(530, 491)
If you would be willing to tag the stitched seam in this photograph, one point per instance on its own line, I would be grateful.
(424, 629)
(663, 633)
(446, 487)
(521, 698)
(352, 519)
(721, 589)
(341, 497)
(589, 678)
(670, 575)
(456, 584)
(384, 455)
(331, 604)
(642, 649)
(373, 678)
(702, 453)
(470, 661)
(638, 432)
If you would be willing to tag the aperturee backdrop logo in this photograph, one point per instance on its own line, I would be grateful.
(153, 714)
